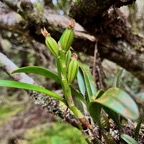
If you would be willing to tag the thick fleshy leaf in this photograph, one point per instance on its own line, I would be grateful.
(38, 70)
(128, 139)
(120, 102)
(117, 79)
(21, 85)
(89, 81)
(81, 82)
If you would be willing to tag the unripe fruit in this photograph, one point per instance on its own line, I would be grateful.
(67, 37)
(68, 57)
(50, 43)
(72, 69)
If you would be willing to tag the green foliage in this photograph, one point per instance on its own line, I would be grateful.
(81, 82)
(116, 83)
(21, 85)
(88, 80)
(95, 108)
(120, 102)
(137, 129)
(40, 71)
(128, 139)
(78, 95)
(95, 112)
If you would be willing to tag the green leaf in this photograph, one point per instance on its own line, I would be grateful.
(98, 94)
(137, 129)
(89, 81)
(21, 85)
(58, 67)
(88, 85)
(39, 70)
(117, 79)
(78, 99)
(95, 112)
(78, 95)
(112, 114)
(120, 102)
(78, 103)
(95, 108)
(81, 82)
(128, 139)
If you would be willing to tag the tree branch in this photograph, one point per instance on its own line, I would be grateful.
(84, 11)
(11, 21)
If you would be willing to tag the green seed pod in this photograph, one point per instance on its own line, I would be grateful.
(68, 57)
(67, 37)
(72, 69)
(50, 43)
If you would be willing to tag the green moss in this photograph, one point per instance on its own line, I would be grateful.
(54, 133)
